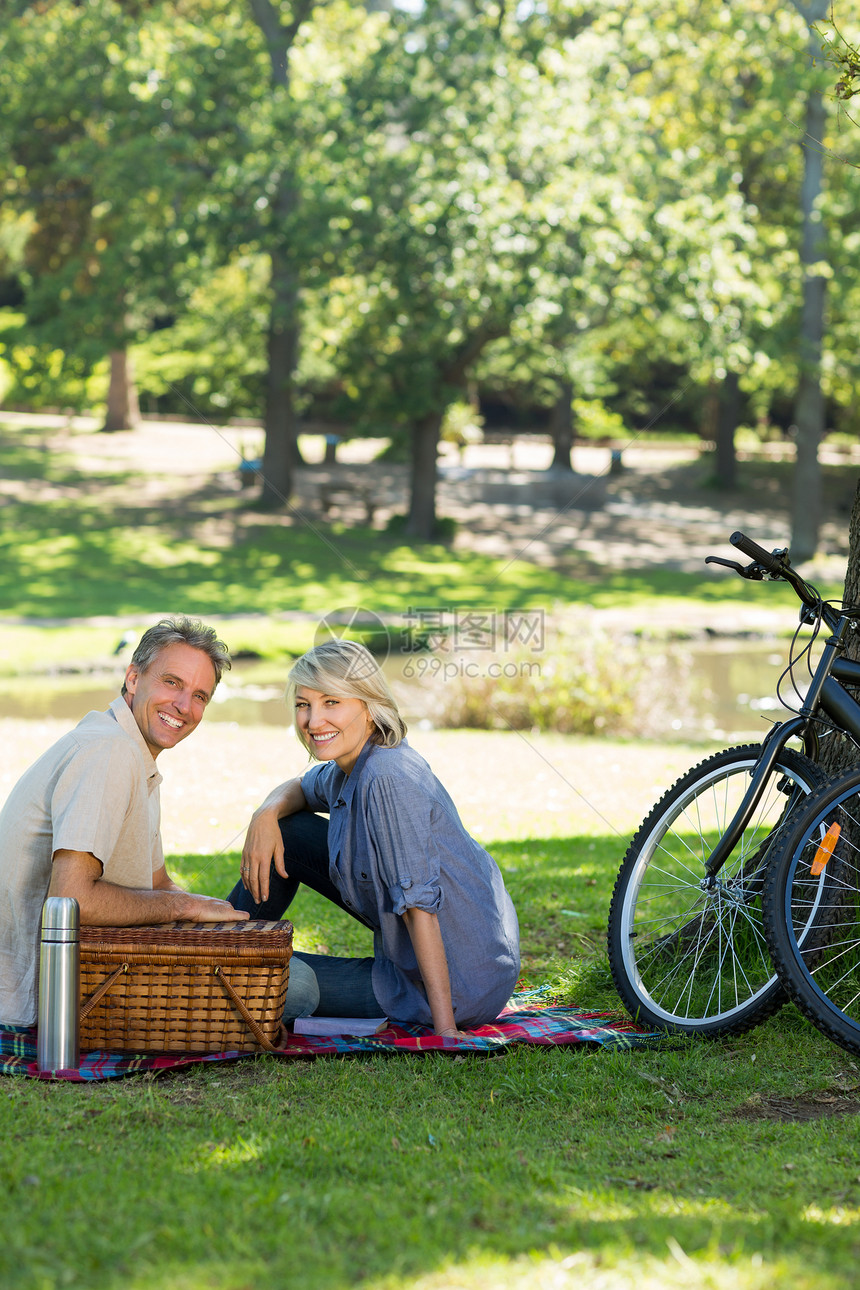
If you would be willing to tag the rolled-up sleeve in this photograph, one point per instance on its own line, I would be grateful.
(401, 829)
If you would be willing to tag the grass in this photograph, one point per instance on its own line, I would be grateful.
(62, 558)
(698, 1164)
(722, 1164)
(80, 544)
(544, 1169)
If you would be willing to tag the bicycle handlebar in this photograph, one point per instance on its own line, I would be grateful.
(778, 565)
(771, 561)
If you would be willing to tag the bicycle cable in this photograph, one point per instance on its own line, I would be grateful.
(826, 727)
(795, 659)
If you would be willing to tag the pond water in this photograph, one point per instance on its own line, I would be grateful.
(725, 689)
(729, 689)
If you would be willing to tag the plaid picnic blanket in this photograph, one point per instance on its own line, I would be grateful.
(536, 1024)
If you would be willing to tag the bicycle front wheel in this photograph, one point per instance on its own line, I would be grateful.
(812, 910)
(688, 955)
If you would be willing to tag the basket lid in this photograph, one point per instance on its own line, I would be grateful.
(209, 936)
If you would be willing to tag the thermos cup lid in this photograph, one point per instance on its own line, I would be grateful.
(60, 914)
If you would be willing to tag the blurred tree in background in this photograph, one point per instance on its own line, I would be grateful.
(291, 210)
(110, 125)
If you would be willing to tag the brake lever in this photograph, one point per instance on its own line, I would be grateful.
(752, 571)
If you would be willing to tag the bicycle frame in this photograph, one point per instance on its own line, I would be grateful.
(826, 693)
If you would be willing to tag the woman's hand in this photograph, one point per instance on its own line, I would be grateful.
(263, 841)
(263, 844)
(453, 1033)
(423, 928)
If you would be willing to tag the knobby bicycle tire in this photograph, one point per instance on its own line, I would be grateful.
(685, 957)
(812, 920)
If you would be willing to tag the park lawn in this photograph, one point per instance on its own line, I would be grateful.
(81, 542)
(695, 1164)
(81, 559)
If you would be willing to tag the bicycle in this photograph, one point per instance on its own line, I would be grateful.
(815, 880)
(686, 939)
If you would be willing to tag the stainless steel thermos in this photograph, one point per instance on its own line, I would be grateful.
(58, 1034)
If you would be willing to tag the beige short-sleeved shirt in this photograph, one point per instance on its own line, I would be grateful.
(95, 790)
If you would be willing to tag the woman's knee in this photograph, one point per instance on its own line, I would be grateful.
(303, 992)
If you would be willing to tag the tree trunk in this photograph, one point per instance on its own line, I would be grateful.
(809, 403)
(838, 753)
(422, 506)
(281, 449)
(728, 415)
(562, 429)
(427, 429)
(123, 410)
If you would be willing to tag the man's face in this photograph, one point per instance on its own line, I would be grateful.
(169, 699)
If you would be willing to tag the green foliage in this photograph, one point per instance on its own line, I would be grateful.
(593, 420)
(630, 228)
(461, 425)
(115, 161)
(214, 351)
(41, 376)
(575, 681)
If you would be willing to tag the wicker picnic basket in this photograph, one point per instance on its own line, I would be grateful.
(184, 987)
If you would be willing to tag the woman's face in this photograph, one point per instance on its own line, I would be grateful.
(336, 729)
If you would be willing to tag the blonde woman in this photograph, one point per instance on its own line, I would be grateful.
(393, 853)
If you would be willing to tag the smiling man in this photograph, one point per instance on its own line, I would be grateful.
(84, 820)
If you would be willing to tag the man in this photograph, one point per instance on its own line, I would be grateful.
(84, 820)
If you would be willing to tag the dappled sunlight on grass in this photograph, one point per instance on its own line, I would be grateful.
(58, 563)
(218, 1155)
(534, 1169)
(618, 1269)
(95, 544)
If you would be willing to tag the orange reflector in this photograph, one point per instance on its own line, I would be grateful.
(825, 850)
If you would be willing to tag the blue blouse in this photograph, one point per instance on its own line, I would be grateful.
(396, 842)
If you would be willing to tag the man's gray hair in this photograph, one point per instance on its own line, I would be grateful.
(181, 631)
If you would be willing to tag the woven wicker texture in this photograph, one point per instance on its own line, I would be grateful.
(184, 987)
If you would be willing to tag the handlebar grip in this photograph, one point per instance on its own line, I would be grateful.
(756, 552)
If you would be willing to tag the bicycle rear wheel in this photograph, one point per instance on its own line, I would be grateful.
(812, 910)
(685, 956)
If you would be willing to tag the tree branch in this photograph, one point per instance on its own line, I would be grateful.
(280, 36)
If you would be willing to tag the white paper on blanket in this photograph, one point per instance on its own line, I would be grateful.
(338, 1025)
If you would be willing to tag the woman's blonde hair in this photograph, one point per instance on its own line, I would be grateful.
(347, 670)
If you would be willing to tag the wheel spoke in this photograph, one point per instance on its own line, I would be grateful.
(687, 952)
(813, 912)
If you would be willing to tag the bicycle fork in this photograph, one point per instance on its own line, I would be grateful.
(773, 746)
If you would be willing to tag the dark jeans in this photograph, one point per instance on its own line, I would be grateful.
(345, 985)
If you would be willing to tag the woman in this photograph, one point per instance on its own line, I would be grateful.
(393, 854)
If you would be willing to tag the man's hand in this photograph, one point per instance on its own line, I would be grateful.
(105, 904)
(207, 909)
